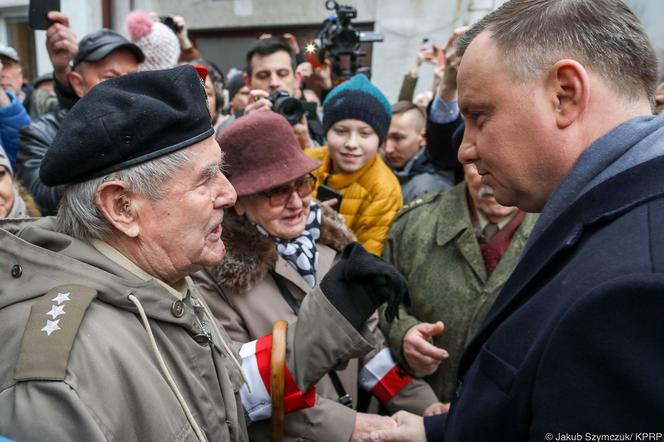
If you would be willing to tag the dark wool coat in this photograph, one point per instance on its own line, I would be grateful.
(575, 342)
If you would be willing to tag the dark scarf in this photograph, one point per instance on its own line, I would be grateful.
(494, 248)
(301, 252)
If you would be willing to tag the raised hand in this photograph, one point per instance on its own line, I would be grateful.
(448, 87)
(61, 44)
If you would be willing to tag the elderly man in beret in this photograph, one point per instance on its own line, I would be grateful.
(104, 335)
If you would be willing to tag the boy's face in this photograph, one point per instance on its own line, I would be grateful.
(352, 144)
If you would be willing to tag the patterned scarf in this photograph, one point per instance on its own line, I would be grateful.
(301, 252)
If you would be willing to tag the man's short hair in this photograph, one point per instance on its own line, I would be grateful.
(603, 35)
(401, 107)
(269, 46)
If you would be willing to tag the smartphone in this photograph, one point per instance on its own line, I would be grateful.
(39, 10)
(327, 193)
(426, 43)
(310, 110)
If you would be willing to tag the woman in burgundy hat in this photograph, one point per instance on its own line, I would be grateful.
(280, 243)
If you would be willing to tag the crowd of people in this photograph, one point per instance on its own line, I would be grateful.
(479, 262)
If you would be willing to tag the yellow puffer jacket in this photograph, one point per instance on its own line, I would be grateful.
(371, 197)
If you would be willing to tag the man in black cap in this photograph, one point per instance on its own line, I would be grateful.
(101, 55)
(104, 334)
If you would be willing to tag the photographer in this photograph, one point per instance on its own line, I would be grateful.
(271, 67)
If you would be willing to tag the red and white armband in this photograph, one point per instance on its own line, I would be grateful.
(383, 377)
(256, 396)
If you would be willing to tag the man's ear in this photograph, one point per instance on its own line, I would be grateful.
(570, 84)
(115, 203)
(247, 79)
(76, 82)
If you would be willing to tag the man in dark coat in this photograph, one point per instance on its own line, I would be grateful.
(557, 99)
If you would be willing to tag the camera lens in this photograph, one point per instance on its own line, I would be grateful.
(289, 107)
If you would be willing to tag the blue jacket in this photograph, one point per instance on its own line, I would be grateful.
(12, 118)
(574, 344)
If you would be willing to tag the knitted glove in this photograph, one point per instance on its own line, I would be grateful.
(361, 282)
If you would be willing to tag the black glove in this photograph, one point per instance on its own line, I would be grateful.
(361, 282)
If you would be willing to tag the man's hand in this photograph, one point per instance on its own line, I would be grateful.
(436, 408)
(183, 35)
(365, 424)
(421, 355)
(292, 42)
(324, 75)
(301, 130)
(410, 428)
(61, 44)
(448, 87)
(258, 102)
(305, 70)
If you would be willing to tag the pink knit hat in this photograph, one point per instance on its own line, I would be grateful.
(157, 41)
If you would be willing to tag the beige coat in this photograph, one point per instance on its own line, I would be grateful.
(92, 375)
(245, 298)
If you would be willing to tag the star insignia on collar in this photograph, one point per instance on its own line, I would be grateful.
(56, 310)
(51, 326)
(62, 297)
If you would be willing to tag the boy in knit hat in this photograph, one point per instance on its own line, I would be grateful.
(356, 117)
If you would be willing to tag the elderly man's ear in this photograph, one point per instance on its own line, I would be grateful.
(569, 83)
(117, 205)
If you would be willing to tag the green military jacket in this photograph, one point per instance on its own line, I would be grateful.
(433, 244)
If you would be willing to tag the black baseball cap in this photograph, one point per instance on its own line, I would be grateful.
(97, 45)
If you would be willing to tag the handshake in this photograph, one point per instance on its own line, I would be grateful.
(400, 427)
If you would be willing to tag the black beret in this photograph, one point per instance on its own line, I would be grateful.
(126, 121)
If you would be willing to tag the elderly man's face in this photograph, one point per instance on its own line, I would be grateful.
(483, 197)
(11, 76)
(89, 74)
(509, 135)
(185, 226)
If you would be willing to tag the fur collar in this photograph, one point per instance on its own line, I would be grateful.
(250, 255)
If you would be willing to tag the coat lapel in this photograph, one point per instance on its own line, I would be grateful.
(628, 189)
(451, 226)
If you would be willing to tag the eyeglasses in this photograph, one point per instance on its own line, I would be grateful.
(279, 195)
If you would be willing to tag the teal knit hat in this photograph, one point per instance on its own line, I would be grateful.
(358, 99)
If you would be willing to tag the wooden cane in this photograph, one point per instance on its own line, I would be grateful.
(277, 375)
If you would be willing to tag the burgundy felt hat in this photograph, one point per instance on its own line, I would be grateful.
(261, 152)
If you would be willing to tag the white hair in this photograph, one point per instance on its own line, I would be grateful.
(78, 214)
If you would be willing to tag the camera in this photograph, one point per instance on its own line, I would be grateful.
(340, 39)
(291, 108)
(168, 21)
